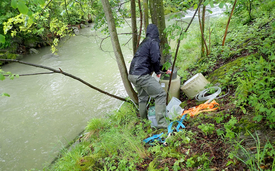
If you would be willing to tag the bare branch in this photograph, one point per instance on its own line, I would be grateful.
(108, 37)
(66, 74)
(41, 73)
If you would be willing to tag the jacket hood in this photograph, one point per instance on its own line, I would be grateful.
(152, 32)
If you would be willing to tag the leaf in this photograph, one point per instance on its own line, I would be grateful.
(212, 4)
(209, 11)
(195, 6)
(206, 3)
(243, 109)
(2, 77)
(41, 2)
(14, 3)
(219, 132)
(258, 118)
(221, 4)
(5, 94)
(30, 13)
(229, 163)
(22, 8)
(181, 37)
(11, 77)
(2, 38)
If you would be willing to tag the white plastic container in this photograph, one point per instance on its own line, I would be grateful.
(194, 85)
(174, 112)
(174, 90)
(152, 116)
(173, 108)
(153, 120)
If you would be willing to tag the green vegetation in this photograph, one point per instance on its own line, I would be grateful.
(244, 67)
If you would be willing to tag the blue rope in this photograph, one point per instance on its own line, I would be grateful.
(157, 137)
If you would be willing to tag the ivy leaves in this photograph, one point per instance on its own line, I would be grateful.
(2, 39)
(22, 7)
(2, 77)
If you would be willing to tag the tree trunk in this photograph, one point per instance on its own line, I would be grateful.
(203, 41)
(161, 27)
(146, 16)
(134, 25)
(158, 18)
(153, 11)
(118, 53)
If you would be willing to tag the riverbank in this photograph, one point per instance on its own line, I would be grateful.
(20, 47)
(238, 136)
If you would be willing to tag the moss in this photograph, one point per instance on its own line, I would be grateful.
(246, 123)
(220, 73)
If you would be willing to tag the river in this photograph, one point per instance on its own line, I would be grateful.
(45, 112)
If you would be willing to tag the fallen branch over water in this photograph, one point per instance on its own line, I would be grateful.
(64, 73)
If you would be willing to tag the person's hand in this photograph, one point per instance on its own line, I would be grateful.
(159, 75)
(168, 72)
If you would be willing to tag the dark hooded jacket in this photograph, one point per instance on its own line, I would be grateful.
(147, 56)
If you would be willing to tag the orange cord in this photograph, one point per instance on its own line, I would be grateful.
(205, 107)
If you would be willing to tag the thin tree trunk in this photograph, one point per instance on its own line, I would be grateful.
(203, 27)
(201, 22)
(209, 50)
(64, 73)
(140, 27)
(203, 41)
(223, 42)
(146, 16)
(158, 18)
(118, 53)
(162, 26)
(134, 26)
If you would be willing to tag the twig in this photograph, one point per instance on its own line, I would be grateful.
(223, 42)
(108, 37)
(45, 8)
(41, 73)
(176, 54)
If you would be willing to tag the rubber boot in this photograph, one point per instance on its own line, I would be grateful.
(143, 110)
(160, 116)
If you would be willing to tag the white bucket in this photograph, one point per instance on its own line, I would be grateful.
(174, 90)
(194, 85)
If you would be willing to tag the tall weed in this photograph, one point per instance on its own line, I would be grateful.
(256, 160)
